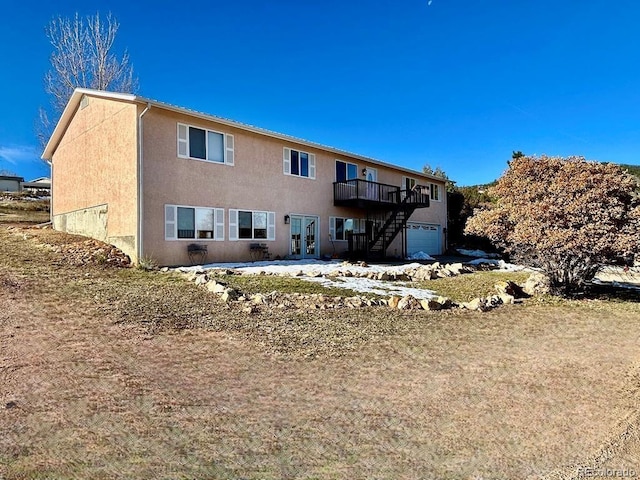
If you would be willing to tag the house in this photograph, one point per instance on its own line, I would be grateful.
(41, 185)
(159, 181)
(10, 183)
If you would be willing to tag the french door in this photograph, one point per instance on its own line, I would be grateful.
(304, 236)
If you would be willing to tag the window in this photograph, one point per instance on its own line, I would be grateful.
(434, 192)
(201, 144)
(339, 228)
(193, 223)
(345, 171)
(252, 225)
(408, 183)
(300, 164)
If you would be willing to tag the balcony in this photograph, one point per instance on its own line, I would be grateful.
(377, 196)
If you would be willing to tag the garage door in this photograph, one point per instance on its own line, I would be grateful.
(423, 237)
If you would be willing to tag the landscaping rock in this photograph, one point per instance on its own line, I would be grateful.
(507, 299)
(437, 303)
(393, 301)
(510, 288)
(229, 294)
(536, 284)
(479, 304)
(409, 303)
(216, 287)
(258, 298)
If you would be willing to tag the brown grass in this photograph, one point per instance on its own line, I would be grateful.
(117, 373)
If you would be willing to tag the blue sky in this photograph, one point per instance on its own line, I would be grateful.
(458, 84)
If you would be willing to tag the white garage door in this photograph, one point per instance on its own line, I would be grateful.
(423, 237)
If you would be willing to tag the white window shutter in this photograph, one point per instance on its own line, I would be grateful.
(229, 149)
(271, 226)
(233, 224)
(332, 227)
(183, 140)
(286, 161)
(169, 222)
(219, 223)
(312, 165)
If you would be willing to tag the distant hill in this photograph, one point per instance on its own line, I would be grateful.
(632, 169)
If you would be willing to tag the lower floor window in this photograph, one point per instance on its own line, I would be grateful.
(340, 228)
(193, 223)
(251, 225)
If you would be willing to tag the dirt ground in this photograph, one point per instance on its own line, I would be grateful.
(530, 391)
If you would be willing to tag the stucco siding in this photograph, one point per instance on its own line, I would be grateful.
(95, 165)
(255, 182)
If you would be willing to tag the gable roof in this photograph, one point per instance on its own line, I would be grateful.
(78, 93)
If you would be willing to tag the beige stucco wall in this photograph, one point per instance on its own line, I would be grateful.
(255, 182)
(95, 165)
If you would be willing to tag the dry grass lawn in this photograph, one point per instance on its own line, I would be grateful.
(109, 373)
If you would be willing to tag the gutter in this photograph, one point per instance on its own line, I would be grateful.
(139, 249)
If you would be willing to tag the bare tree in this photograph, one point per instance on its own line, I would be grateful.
(83, 56)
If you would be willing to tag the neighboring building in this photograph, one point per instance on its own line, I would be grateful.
(10, 183)
(152, 179)
(41, 185)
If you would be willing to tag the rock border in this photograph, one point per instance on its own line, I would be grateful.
(508, 293)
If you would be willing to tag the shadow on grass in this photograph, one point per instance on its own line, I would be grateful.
(608, 291)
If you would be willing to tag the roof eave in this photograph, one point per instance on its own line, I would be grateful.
(74, 101)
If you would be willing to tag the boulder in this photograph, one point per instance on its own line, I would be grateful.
(479, 304)
(229, 295)
(506, 298)
(436, 303)
(536, 284)
(409, 303)
(510, 288)
(258, 298)
(458, 268)
(393, 301)
(215, 287)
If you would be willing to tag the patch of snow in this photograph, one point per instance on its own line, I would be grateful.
(357, 284)
(477, 253)
(304, 266)
(420, 256)
(378, 287)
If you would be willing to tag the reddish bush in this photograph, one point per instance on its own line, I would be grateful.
(566, 216)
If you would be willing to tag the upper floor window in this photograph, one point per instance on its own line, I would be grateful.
(301, 164)
(408, 183)
(346, 171)
(202, 144)
(434, 192)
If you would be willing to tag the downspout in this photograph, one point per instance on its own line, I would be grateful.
(140, 191)
(50, 163)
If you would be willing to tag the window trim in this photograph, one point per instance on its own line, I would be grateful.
(431, 190)
(234, 225)
(228, 148)
(218, 223)
(286, 163)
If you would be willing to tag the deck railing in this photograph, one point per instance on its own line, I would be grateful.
(357, 190)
